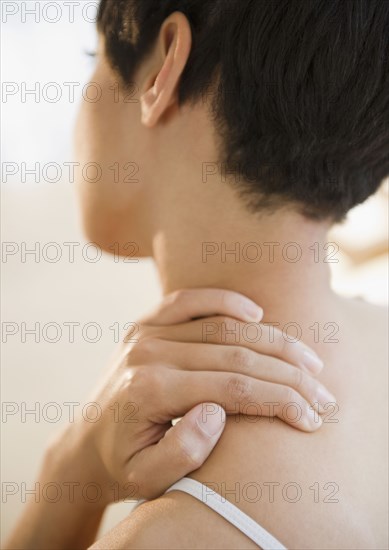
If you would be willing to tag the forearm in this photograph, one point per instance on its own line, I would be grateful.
(65, 515)
(54, 528)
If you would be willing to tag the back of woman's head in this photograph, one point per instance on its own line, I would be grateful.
(299, 90)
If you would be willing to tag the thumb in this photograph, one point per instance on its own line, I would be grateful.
(184, 448)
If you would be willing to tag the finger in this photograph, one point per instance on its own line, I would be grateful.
(238, 394)
(205, 357)
(184, 448)
(258, 337)
(184, 305)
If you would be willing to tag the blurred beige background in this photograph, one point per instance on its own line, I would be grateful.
(106, 292)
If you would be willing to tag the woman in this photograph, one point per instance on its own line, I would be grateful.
(232, 134)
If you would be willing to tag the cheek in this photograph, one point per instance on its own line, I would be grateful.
(108, 143)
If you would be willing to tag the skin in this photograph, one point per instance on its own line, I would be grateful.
(169, 213)
(169, 144)
(168, 373)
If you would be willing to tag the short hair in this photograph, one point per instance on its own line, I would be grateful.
(299, 91)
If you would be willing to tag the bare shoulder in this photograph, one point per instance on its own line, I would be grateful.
(173, 521)
(366, 310)
(368, 321)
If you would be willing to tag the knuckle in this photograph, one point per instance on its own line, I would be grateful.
(138, 484)
(229, 330)
(279, 343)
(144, 351)
(232, 324)
(239, 389)
(177, 297)
(145, 382)
(225, 320)
(187, 455)
(223, 297)
(298, 379)
(291, 396)
(147, 347)
(132, 356)
(240, 358)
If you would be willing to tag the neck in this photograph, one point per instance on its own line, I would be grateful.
(277, 260)
(200, 233)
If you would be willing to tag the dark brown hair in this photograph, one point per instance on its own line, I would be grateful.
(300, 90)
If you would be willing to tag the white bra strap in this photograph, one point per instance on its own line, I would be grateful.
(229, 511)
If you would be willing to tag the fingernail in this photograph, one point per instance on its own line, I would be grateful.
(252, 310)
(323, 396)
(312, 362)
(313, 420)
(211, 419)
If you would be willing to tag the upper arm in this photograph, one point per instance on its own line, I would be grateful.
(178, 520)
(174, 521)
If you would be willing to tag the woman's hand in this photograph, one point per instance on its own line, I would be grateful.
(183, 366)
(194, 358)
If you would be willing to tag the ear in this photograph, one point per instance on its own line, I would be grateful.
(173, 49)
